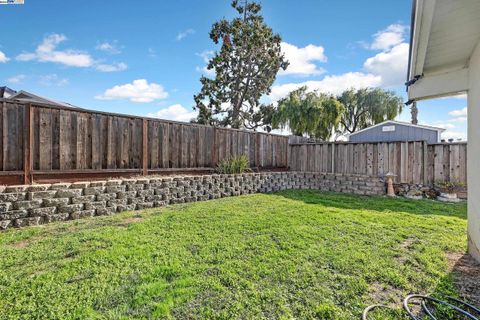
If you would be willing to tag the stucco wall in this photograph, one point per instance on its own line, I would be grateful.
(474, 154)
(37, 204)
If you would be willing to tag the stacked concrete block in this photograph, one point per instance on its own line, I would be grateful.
(27, 205)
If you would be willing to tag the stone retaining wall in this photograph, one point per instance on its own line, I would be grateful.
(27, 205)
(417, 191)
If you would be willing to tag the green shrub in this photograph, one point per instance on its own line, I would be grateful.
(237, 164)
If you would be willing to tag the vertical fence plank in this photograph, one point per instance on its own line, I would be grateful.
(462, 172)
(81, 147)
(145, 147)
(165, 145)
(438, 163)
(425, 162)
(45, 139)
(28, 145)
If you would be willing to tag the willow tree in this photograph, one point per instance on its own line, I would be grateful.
(314, 114)
(245, 69)
(366, 107)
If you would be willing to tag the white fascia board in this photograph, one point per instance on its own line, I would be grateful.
(423, 24)
(439, 85)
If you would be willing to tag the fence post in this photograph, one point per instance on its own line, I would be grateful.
(287, 154)
(28, 145)
(214, 148)
(333, 157)
(145, 147)
(257, 149)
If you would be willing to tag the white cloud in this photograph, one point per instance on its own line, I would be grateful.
(390, 65)
(152, 53)
(301, 59)
(334, 84)
(460, 119)
(174, 112)
(47, 52)
(459, 113)
(3, 57)
(183, 34)
(109, 47)
(138, 91)
(385, 69)
(114, 67)
(391, 36)
(17, 79)
(206, 55)
(455, 135)
(451, 129)
(53, 80)
(205, 71)
(444, 125)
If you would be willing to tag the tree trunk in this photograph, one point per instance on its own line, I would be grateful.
(414, 112)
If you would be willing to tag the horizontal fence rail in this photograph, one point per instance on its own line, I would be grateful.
(412, 162)
(43, 139)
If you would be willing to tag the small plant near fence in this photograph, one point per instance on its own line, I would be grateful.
(236, 164)
(449, 186)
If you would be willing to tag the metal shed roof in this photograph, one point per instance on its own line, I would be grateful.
(400, 123)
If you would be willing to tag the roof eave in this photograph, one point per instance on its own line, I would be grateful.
(412, 27)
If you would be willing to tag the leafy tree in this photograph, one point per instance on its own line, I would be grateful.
(314, 114)
(245, 69)
(366, 107)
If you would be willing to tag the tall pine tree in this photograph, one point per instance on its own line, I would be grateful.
(245, 69)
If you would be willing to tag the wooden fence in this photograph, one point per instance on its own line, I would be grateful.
(42, 140)
(412, 162)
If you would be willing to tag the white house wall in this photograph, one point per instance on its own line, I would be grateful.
(474, 154)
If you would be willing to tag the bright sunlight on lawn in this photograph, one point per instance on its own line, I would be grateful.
(293, 254)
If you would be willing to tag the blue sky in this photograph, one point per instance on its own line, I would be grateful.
(146, 57)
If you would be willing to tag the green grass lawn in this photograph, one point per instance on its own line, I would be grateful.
(292, 254)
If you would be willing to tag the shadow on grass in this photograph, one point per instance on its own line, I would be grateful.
(377, 203)
(465, 276)
(462, 282)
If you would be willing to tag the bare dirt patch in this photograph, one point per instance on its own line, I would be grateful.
(466, 276)
(405, 247)
(385, 294)
(21, 244)
(128, 221)
(408, 243)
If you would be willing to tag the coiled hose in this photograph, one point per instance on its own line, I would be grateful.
(423, 302)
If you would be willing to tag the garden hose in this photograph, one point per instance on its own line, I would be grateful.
(369, 308)
(424, 299)
(427, 311)
(465, 304)
(419, 296)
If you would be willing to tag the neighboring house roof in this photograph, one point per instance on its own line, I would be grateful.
(400, 123)
(30, 97)
(6, 92)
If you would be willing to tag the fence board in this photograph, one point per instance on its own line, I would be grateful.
(412, 162)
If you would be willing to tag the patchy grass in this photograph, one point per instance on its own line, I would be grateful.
(293, 254)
